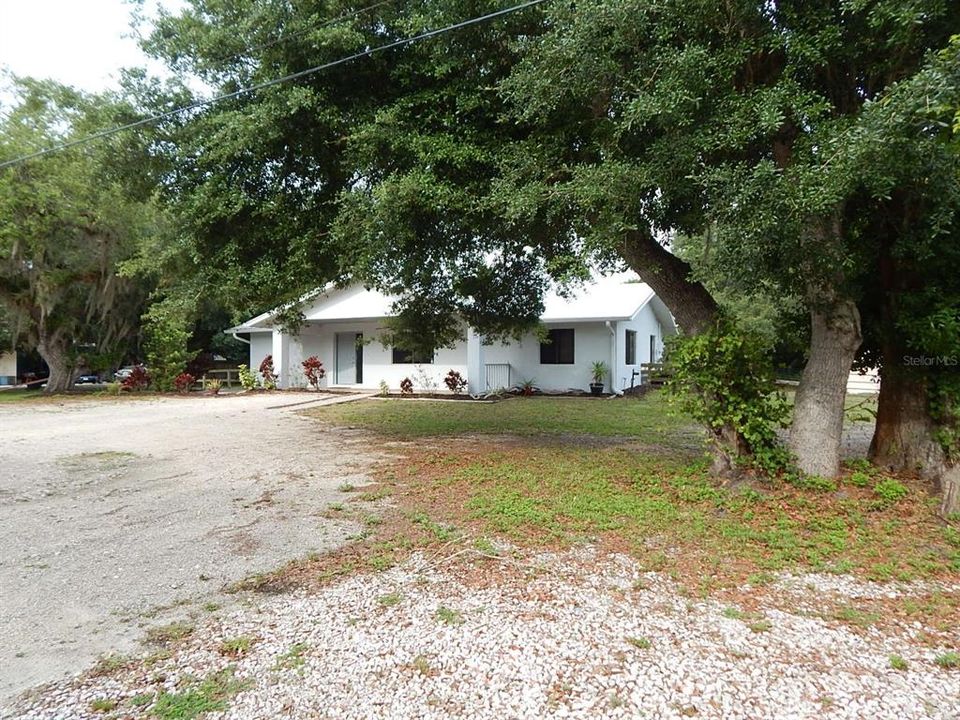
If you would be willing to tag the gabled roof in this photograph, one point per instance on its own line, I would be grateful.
(614, 297)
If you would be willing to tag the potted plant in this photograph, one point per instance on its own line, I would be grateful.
(598, 371)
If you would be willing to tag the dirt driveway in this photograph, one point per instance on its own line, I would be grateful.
(117, 515)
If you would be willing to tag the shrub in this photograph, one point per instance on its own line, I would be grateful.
(455, 382)
(384, 388)
(248, 381)
(137, 380)
(183, 382)
(406, 386)
(268, 374)
(313, 369)
(213, 386)
(165, 342)
(723, 378)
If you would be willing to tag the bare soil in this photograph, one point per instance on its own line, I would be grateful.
(119, 515)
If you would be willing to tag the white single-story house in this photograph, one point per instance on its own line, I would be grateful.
(617, 320)
(8, 368)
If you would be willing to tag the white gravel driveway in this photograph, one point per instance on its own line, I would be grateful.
(576, 638)
(111, 511)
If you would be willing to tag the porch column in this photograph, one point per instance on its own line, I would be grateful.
(281, 357)
(476, 368)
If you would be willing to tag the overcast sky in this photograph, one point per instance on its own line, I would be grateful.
(82, 43)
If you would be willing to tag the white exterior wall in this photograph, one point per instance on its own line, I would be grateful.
(261, 345)
(646, 324)
(591, 342)
(320, 340)
(8, 368)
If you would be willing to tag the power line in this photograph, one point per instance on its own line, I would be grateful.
(269, 83)
(290, 36)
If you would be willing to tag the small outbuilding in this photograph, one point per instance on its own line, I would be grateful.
(8, 368)
(617, 320)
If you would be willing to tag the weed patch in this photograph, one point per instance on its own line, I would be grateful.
(949, 660)
(236, 647)
(449, 616)
(292, 659)
(212, 694)
(103, 705)
(165, 634)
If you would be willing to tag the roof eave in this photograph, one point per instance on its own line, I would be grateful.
(606, 318)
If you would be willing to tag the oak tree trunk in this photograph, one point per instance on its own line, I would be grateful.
(670, 278)
(904, 439)
(817, 429)
(695, 311)
(53, 350)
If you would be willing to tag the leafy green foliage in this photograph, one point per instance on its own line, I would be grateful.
(723, 378)
(889, 492)
(165, 341)
(68, 223)
(248, 381)
(898, 663)
(211, 694)
(945, 409)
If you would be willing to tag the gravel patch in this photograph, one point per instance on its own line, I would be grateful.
(854, 589)
(565, 636)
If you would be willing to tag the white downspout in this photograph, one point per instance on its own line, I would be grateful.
(237, 337)
(613, 358)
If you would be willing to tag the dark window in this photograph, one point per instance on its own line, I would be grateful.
(653, 349)
(559, 348)
(410, 357)
(359, 357)
(630, 343)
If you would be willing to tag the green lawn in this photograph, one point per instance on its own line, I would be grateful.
(570, 479)
(647, 420)
(18, 395)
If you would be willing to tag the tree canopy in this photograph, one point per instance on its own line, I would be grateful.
(68, 221)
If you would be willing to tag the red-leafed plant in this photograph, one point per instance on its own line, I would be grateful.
(138, 379)
(183, 382)
(455, 382)
(268, 373)
(406, 386)
(313, 369)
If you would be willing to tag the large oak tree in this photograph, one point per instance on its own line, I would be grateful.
(68, 221)
(463, 171)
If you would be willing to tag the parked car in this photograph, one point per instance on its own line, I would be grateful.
(124, 372)
(88, 380)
